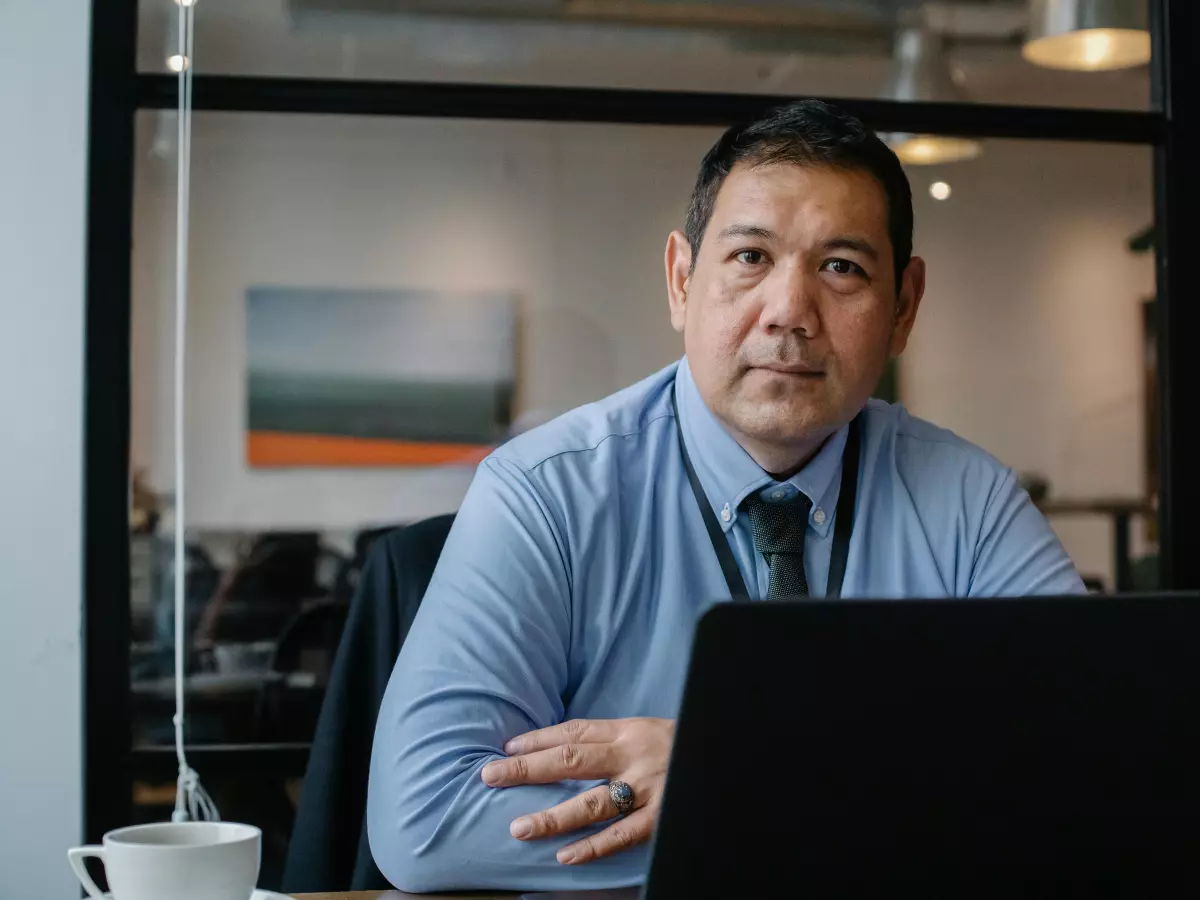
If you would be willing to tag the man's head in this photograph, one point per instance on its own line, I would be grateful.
(793, 281)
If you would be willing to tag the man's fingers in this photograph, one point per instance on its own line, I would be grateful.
(628, 832)
(589, 807)
(562, 763)
(576, 731)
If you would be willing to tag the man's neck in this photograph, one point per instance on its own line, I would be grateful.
(781, 463)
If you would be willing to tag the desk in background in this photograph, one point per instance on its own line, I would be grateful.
(1121, 511)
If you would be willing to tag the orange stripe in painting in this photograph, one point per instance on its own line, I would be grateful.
(276, 448)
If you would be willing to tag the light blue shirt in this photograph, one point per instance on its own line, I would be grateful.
(574, 575)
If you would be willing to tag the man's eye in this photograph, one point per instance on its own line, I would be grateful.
(843, 267)
(749, 257)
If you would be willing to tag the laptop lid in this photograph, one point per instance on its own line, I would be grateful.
(981, 746)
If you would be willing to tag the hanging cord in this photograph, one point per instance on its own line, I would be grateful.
(191, 800)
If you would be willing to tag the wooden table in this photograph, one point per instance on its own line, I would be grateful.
(400, 895)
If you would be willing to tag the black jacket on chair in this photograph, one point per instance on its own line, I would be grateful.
(328, 849)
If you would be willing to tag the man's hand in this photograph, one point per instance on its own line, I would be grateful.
(635, 751)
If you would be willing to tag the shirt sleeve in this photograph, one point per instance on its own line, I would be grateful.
(1018, 554)
(486, 659)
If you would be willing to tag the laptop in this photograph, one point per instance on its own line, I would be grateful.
(1032, 747)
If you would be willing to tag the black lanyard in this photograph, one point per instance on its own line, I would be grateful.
(842, 527)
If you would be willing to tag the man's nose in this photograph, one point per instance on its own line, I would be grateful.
(790, 302)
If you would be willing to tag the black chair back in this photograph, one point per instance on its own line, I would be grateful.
(328, 849)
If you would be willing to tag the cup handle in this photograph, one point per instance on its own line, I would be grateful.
(76, 857)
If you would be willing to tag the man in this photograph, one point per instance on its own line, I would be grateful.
(533, 699)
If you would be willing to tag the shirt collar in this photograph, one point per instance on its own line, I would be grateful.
(729, 475)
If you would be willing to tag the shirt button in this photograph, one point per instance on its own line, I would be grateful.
(779, 494)
(726, 515)
(819, 515)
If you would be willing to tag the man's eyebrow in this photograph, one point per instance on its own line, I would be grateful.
(861, 245)
(739, 229)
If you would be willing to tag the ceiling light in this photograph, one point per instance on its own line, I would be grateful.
(939, 190)
(177, 63)
(185, 2)
(1087, 35)
(920, 73)
(931, 149)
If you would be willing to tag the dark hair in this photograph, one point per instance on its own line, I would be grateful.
(806, 133)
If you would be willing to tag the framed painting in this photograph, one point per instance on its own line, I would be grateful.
(348, 378)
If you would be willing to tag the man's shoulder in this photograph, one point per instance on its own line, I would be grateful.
(591, 431)
(918, 447)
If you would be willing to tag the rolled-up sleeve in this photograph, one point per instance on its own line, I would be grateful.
(486, 659)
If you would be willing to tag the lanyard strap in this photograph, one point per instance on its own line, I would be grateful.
(843, 524)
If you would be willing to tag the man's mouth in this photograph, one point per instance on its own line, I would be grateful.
(795, 370)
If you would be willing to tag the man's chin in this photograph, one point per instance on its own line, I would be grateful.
(783, 420)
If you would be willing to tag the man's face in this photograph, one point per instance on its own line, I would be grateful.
(791, 310)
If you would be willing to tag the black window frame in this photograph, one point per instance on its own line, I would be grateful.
(118, 91)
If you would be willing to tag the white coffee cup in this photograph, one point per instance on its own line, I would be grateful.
(175, 861)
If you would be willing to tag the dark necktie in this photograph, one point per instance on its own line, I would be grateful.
(778, 530)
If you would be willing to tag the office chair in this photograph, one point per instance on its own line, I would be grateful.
(268, 588)
(290, 702)
(157, 625)
(328, 849)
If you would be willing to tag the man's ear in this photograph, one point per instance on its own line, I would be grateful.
(678, 261)
(912, 289)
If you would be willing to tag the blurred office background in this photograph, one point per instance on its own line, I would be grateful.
(1032, 339)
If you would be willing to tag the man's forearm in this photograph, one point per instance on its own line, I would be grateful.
(486, 660)
(436, 826)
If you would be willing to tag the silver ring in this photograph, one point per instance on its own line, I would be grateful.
(622, 796)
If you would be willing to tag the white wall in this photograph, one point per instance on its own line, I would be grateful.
(1028, 343)
(43, 108)
(570, 219)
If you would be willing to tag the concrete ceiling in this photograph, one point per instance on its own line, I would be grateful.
(821, 47)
